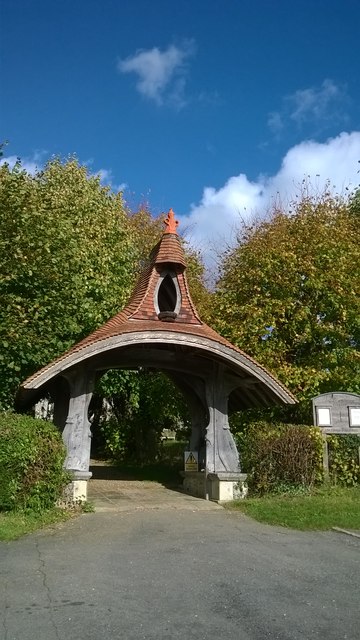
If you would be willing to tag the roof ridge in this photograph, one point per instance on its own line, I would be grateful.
(193, 307)
(147, 276)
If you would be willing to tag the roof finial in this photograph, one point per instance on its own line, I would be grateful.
(170, 223)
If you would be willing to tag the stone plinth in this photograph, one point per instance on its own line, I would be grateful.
(194, 483)
(219, 487)
(76, 490)
(225, 487)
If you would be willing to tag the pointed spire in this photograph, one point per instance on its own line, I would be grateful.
(170, 223)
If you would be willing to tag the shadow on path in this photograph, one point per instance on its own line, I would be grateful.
(127, 488)
(167, 475)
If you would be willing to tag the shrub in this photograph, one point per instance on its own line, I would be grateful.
(344, 463)
(281, 456)
(31, 463)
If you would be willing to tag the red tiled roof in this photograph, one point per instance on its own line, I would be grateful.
(169, 250)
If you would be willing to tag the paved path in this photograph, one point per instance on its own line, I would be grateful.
(136, 495)
(178, 572)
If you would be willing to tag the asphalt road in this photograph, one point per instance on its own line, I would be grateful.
(178, 573)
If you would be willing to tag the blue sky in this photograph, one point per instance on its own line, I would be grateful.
(210, 107)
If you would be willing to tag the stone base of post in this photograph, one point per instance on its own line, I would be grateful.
(194, 483)
(218, 487)
(225, 487)
(76, 491)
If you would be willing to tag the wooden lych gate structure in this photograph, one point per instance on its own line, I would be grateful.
(161, 328)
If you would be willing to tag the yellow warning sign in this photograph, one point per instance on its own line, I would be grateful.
(191, 461)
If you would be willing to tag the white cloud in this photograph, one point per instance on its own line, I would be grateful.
(31, 165)
(275, 122)
(317, 103)
(320, 106)
(107, 179)
(161, 74)
(35, 163)
(211, 225)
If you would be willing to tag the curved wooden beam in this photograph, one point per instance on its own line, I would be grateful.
(236, 362)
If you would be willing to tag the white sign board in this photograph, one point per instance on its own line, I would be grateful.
(354, 416)
(337, 412)
(323, 416)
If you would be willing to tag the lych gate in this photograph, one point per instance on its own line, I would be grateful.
(161, 328)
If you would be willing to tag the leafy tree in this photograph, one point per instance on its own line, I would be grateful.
(130, 425)
(355, 202)
(289, 295)
(67, 263)
(70, 252)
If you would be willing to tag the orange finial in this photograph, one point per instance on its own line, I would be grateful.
(170, 223)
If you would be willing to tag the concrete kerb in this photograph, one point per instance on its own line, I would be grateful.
(354, 534)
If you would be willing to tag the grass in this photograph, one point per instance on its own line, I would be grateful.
(321, 510)
(14, 524)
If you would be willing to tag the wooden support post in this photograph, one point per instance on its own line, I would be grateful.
(326, 457)
(77, 434)
(221, 452)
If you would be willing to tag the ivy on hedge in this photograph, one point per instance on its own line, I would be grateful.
(32, 455)
(344, 459)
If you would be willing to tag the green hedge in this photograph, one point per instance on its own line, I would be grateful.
(344, 463)
(281, 457)
(31, 463)
(286, 457)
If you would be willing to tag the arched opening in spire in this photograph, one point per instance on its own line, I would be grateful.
(167, 297)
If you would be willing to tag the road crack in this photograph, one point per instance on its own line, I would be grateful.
(6, 605)
(42, 571)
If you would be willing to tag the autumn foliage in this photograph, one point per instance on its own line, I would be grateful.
(289, 295)
(71, 250)
(70, 253)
